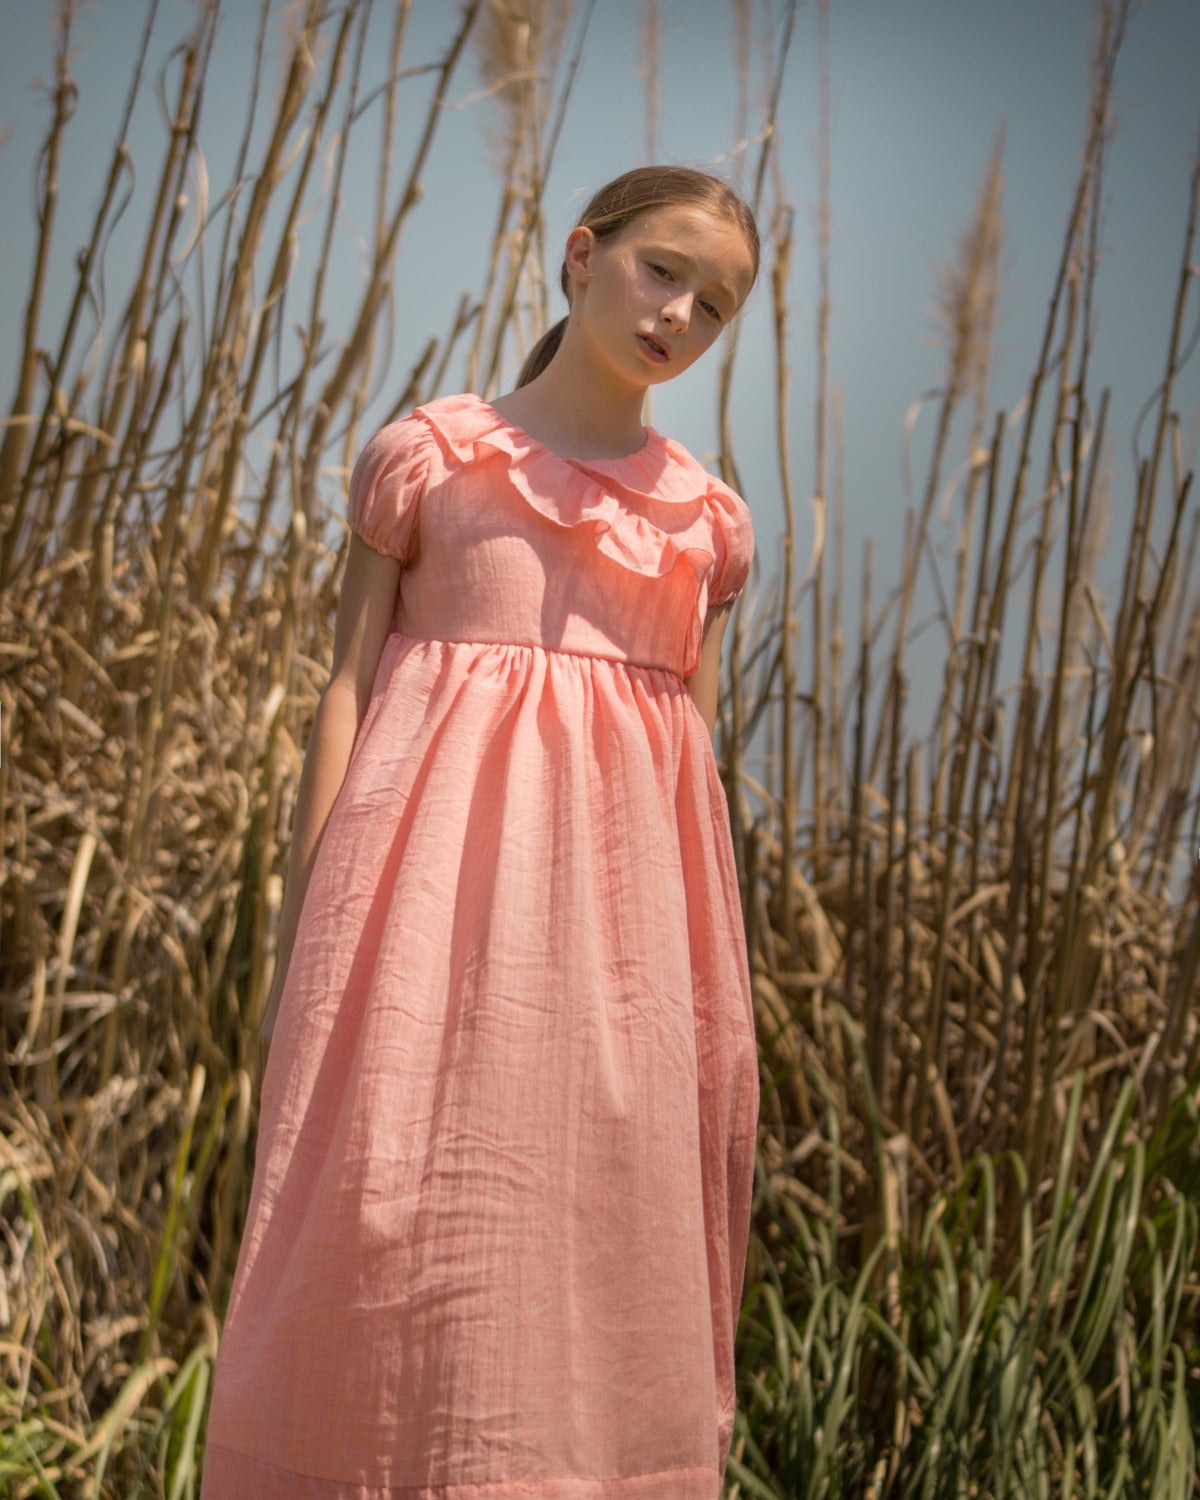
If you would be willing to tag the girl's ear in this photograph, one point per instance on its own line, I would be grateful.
(577, 259)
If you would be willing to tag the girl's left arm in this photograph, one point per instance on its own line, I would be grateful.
(705, 682)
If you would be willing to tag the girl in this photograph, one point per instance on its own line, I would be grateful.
(499, 1217)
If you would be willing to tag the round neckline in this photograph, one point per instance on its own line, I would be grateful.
(586, 463)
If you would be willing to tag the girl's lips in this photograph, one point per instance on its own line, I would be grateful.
(657, 351)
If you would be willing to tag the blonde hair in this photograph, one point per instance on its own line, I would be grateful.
(640, 191)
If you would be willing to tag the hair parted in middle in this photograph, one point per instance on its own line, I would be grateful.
(642, 190)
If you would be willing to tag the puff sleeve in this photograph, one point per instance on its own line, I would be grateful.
(733, 544)
(387, 484)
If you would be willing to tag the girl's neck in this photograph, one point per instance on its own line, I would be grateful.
(576, 414)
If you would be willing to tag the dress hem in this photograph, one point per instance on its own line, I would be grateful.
(265, 1481)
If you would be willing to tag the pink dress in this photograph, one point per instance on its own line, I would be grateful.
(498, 1224)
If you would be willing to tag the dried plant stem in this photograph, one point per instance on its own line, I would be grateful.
(820, 759)
(14, 444)
(780, 271)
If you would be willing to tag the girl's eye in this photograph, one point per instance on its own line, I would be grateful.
(712, 310)
(660, 271)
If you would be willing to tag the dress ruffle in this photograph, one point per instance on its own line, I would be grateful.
(649, 512)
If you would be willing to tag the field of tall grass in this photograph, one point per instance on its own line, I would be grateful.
(975, 941)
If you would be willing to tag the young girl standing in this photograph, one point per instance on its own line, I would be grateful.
(498, 1224)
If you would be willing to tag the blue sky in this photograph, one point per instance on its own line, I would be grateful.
(920, 90)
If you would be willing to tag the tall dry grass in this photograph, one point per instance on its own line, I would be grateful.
(974, 950)
(1004, 898)
(980, 977)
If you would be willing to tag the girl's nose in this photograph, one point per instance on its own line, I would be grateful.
(677, 312)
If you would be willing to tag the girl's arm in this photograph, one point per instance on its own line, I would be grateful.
(705, 682)
(364, 618)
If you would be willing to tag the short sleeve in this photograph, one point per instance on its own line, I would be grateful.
(387, 484)
(733, 539)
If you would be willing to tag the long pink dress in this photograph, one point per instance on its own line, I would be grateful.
(498, 1225)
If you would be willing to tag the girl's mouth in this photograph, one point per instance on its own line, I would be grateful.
(654, 348)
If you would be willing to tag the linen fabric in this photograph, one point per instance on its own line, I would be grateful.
(499, 1216)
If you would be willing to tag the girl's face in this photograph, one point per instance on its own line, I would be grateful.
(651, 299)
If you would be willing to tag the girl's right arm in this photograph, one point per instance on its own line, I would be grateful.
(364, 618)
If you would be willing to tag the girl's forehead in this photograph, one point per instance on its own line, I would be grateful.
(684, 219)
(710, 239)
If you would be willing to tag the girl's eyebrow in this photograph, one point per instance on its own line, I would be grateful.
(721, 286)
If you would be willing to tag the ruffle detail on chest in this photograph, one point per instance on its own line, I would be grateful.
(648, 512)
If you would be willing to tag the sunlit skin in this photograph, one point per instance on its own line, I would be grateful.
(645, 305)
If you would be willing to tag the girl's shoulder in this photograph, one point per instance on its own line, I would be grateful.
(449, 428)
(682, 477)
(684, 471)
(418, 428)
(426, 444)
